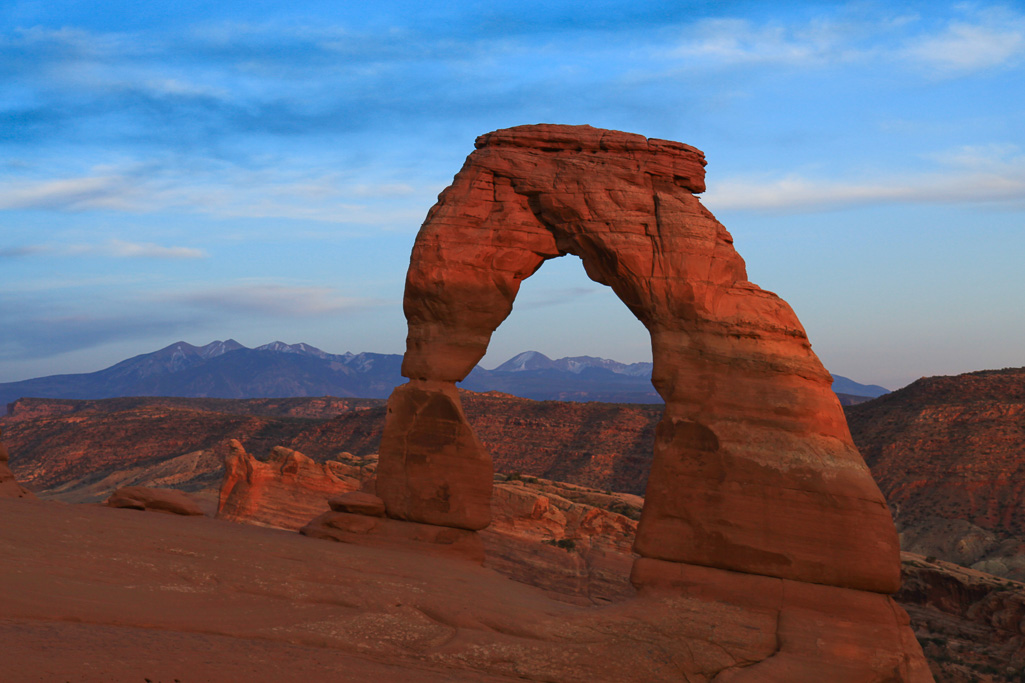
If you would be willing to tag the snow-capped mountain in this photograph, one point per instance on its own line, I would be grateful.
(227, 369)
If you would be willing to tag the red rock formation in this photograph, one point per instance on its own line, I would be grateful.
(438, 471)
(286, 491)
(754, 469)
(950, 447)
(157, 500)
(572, 548)
(9, 487)
(971, 624)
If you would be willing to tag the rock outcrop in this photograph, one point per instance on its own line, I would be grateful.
(9, 487)
(580, 548)
(754, 469)
(286, 491)
(947, 453)
(158, 500)
(971, 624)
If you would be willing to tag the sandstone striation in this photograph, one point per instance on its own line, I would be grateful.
(579, 548)
(286, 491)
(754, 469)
(9, 487)
(947, 451)
(157, 500)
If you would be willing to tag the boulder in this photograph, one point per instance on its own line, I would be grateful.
(157, 500)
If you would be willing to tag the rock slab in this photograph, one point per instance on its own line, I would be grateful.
(157, 500)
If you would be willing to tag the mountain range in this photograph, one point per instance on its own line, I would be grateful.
(227, 369)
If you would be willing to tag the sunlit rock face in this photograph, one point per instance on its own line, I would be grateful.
(754, 469)
(285, 491)
(9, 487)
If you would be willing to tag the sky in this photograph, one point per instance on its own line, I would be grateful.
(258, 170)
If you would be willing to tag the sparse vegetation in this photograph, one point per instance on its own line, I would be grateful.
(564, 543)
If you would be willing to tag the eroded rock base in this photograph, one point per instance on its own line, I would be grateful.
(821, 633)
(381, 532)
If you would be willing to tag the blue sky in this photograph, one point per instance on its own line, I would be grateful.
(258, 170)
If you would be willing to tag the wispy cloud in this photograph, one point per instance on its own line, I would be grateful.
(276, 300)
(981, 174)
(555, 297)
(19, 252)
(114, 248)
(93, 192)
(797, 193)
(47, 328)
(980, 37)
(991, 38)
(742, 41)
(120, 249)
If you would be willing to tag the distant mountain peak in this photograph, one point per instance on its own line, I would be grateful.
(300, 348)
(528, 360)
(534, 360)
(219, 348)
(844, 385)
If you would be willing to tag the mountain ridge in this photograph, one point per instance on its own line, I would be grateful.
(228, 369)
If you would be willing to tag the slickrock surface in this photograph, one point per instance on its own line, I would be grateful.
(947, 452)
(575, 542)
(285, 491)
(9, 487)
(157, 500)
(90, 593)
(754, 469)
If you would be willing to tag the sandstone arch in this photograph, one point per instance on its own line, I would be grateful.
(754, 469)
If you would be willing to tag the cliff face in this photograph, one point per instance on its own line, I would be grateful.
(971, 624)
(947, 453)
(9, 487)
(60, 444)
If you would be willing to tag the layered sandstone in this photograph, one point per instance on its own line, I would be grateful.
(970, 623)
(9, 487)
(754, 469)
(947, 451)
(285, 491)
(570, 540)
(82, 450)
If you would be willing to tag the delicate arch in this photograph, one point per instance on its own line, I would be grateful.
(754, 469)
